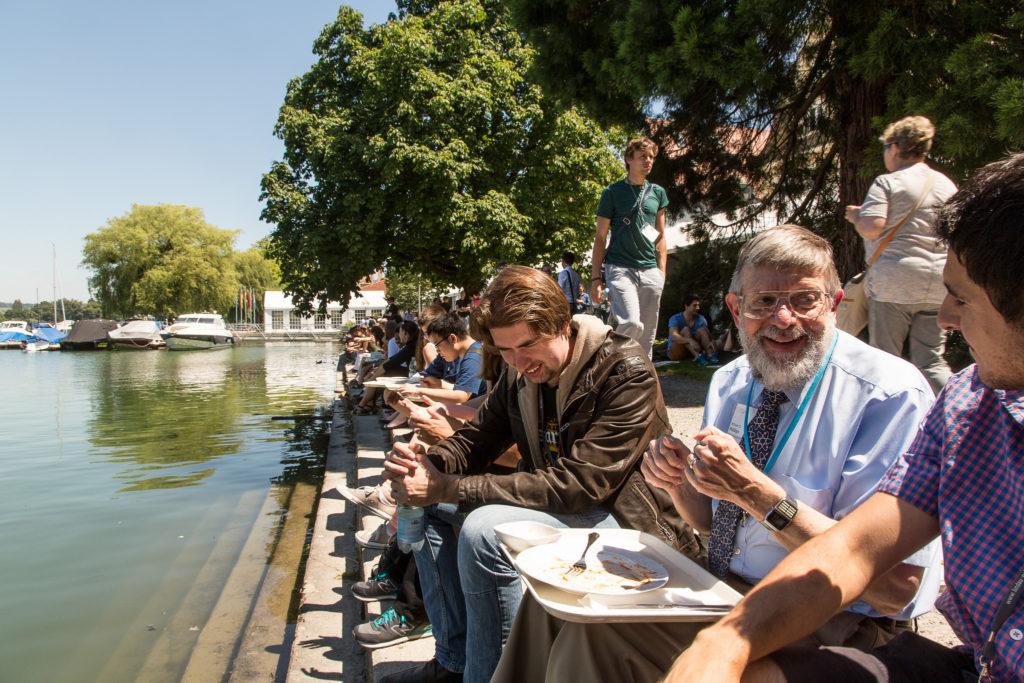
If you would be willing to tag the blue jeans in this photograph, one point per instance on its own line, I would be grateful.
(469, 587)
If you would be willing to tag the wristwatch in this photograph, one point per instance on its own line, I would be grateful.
(779, 517)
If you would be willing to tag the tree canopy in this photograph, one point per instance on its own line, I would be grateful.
(42, 312)
(166, 259)
(421, 146)
(777, 104)
(256, 270)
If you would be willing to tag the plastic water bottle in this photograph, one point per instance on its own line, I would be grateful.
(410, 528)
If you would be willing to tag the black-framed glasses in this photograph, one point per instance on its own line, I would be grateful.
(440, 341)
(806, 304)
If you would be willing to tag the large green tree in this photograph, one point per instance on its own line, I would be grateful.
(773, 107)
(161, 260)
(420, 145)
(257, 271)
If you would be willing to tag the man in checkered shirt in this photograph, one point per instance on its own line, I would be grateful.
(962, 479)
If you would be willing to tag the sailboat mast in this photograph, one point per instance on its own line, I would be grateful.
(54, 283)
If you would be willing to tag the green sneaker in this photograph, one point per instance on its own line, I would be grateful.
(391, 628)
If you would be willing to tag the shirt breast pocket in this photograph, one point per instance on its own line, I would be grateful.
(819, 499)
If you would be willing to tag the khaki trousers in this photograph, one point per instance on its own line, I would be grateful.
(543, 648)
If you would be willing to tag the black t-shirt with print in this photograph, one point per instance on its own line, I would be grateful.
(549, 422)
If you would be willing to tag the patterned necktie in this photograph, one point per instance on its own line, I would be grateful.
(726, 521)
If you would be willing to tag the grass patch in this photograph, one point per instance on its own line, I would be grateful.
(689, 370)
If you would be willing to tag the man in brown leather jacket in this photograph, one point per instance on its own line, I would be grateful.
(581, 402)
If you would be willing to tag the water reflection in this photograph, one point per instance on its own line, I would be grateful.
(117, 584)
(166, 416)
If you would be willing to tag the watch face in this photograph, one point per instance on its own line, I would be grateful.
(781, 515)
(775, 520)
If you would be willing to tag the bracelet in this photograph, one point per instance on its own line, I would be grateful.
(597, 279)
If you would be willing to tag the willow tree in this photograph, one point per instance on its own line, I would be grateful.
(775, 105)
(160, 260)
(420, 145)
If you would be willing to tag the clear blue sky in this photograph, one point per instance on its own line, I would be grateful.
(108, 104)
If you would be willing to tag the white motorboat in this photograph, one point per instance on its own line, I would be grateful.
(137, 334)
(13, 333)
(15, 326)
(36, 345)
(198, 331)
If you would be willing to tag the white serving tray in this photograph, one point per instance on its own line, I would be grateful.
(386, 383)
(682, 573)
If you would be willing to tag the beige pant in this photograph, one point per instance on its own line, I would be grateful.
(543, 648)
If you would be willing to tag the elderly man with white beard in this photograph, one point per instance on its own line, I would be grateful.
(797, 433)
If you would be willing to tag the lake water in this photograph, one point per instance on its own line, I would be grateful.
(131, 484)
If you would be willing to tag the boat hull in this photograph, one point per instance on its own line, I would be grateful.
(197, 342)
(97, 345)
(138, 344)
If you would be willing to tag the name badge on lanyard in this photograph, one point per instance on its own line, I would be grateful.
(736, 425)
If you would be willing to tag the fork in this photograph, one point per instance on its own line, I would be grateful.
(580, 565)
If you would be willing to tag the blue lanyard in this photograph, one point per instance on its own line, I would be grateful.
(796, 418)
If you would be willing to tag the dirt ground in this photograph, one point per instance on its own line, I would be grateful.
(685, 400)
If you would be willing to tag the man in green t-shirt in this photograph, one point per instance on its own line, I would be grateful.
(634, 261)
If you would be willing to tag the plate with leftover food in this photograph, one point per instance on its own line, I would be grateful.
(610, 570)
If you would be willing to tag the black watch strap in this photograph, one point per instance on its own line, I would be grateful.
(780, 516)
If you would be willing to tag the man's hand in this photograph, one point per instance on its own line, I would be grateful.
(852, 213)
(431, 420)
(415, 480)
(596, 292)
(720, 469)
(430, 383)
(664, 463)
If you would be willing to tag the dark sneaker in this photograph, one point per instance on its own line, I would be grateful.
(368, 498)
(378, 539)
(391, 628)
(378, 587)
(427, 672)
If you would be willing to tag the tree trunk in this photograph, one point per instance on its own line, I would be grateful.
(857, 101)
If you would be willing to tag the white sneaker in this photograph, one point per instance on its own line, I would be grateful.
(378, 538)
(369, 499)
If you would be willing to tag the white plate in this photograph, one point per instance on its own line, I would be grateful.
(610, 570)
(385, 383)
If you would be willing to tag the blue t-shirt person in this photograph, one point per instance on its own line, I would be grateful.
(463, 372)
(678, 321)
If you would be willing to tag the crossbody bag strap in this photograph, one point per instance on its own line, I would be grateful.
(892, 233)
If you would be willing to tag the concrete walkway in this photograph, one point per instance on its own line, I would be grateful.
(324, 648)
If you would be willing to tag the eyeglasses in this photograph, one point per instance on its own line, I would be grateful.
(440, 341)
(887, 145)
(806, 304)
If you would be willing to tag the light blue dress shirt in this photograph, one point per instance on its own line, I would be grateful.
(863, 415)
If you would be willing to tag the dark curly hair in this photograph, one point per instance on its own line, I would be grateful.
(983, 224)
